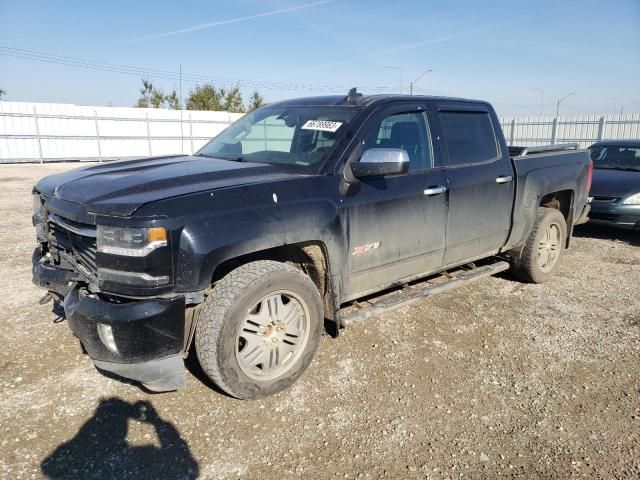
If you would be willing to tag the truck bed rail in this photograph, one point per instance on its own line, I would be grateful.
(524, 151)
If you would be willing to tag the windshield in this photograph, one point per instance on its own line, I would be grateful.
(616, 157)
(285, 135)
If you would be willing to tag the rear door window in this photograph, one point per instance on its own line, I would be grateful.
(469, 137)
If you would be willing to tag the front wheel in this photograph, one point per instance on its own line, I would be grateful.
(540, 255)
(259, 329)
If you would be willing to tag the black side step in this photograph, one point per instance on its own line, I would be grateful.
(412, 294)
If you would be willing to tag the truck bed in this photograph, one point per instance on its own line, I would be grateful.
(516, 151)
(551, 168)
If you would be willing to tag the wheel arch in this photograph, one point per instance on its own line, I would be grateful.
(312, 257)
(562, 200)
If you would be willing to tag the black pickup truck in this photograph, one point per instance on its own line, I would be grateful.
(250, 248)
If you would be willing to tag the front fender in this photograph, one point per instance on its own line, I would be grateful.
(207, 243)
(255, 219)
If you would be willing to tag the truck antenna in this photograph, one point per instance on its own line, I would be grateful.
(352, 96)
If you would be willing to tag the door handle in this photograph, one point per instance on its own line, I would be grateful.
(504, 179)
(435, 190)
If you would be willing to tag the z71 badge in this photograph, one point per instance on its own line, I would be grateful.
(365, 248)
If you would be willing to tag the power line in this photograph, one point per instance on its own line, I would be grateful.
(194, 78)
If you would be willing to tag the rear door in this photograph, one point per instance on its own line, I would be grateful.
(396, 224)
(480, 181)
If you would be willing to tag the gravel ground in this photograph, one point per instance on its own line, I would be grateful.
(495, 379)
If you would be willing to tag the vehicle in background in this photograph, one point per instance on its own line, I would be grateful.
(615, 190)
(246, 248)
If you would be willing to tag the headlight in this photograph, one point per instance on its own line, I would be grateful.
(632, 200)
(131, 242)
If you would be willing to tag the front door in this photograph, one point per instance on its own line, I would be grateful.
(396, 224)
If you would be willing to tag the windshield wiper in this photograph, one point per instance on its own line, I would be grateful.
(222, 157)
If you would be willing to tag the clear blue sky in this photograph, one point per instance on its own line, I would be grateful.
(495, 50)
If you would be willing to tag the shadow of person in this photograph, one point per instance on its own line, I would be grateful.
(100, 448)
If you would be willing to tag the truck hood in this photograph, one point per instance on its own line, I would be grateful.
(615, 183)
(119, 188)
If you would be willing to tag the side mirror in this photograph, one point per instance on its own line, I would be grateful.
(379, 162)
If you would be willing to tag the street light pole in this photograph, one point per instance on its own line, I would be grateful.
(560, 100)
(393, 67)
(541, 99)
(416, 80)
(628, 104)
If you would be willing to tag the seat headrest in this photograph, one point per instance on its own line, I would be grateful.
(404, 133)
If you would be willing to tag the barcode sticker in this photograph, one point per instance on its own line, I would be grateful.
(323, 125)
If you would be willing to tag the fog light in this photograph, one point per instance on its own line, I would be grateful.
(105, 332)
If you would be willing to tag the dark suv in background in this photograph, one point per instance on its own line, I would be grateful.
(616, 183)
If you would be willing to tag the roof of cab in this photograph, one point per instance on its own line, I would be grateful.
(363, 100)
(619, 143)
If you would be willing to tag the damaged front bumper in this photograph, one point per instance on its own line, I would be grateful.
(141, 340)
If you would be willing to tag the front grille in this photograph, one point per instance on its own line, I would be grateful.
(79, 250)
(597, 198)
(603, 216)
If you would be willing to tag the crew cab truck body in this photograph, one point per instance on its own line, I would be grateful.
(244, 248)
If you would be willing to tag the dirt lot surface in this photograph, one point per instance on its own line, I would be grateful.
(496, 379)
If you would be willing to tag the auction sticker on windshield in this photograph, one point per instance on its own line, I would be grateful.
(323, 125)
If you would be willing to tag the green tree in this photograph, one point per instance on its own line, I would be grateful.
(172, 101)
(233, 100)
(256, 101)
(150, 96)
(206, 97)
(2, 93)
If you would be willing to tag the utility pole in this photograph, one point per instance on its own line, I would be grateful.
(180, 84)
(180, 100)
(615, 103)
(393, 67)
(416, 80)
(560, 100)
(541, 99)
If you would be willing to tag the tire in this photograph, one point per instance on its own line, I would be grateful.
(264, 311)
(550, 228)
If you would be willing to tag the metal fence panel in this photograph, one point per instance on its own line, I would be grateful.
(45, 132)
(584, 129)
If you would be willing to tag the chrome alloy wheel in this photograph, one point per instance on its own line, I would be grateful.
(273, 335)
(549, 247)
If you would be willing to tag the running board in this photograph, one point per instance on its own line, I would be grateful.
(411, 294)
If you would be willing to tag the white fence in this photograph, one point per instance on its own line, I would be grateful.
(584, 129)
(49, 132)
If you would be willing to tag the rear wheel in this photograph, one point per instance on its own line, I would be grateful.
(540, 255)
(259, 329)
